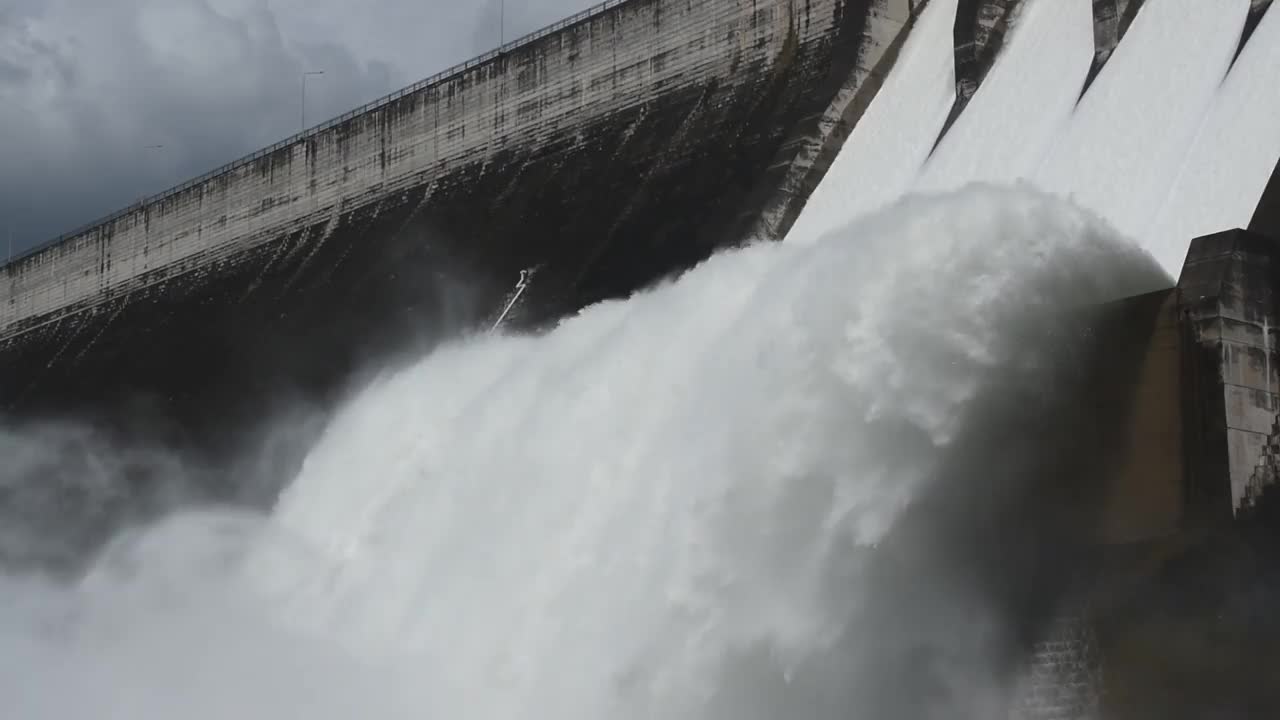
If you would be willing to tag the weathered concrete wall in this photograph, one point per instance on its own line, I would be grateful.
(617, 60)
(810, 152)
(1228, 287)
(1263, 488)
(623, 146)
(1201, 436)
(1063, 677)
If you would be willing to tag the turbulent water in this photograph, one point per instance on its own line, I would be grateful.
(672, 506)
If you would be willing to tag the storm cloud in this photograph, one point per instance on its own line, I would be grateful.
(90, 88)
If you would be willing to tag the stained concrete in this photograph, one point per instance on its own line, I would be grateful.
(808, 153)
(1229, 300)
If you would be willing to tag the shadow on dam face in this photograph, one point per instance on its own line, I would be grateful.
(190, 359)
(198, 370)
(217, 400)
(214, 392)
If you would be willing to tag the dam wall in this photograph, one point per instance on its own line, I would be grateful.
(601, 153)
(620, 57)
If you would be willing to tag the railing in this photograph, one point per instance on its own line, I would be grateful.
(439, 77)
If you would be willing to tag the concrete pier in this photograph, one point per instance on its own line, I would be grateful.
(1229, 295)
(1169, 615)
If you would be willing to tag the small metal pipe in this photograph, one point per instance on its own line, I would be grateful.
(520, 287)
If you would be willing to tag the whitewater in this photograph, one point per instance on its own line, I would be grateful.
(661, 508)
(732, 495)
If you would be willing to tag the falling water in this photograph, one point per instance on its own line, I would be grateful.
(675, 505)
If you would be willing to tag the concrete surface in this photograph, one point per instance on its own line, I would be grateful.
(1228, 287)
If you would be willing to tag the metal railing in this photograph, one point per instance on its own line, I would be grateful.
(437, 78)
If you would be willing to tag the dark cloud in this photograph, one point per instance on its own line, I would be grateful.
(87, 87)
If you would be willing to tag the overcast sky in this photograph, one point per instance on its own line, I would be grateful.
(87, 85)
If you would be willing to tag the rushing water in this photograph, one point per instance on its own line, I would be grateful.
(668, 506)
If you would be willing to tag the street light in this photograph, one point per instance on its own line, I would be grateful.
(304, 94)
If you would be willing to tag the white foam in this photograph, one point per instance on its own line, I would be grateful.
(662, 508)
(594, 522)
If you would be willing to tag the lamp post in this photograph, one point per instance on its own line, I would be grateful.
(303, 110)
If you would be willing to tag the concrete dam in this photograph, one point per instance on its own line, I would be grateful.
(630, 143)
(597, 155)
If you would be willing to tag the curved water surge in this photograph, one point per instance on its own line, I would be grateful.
(700, 502)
